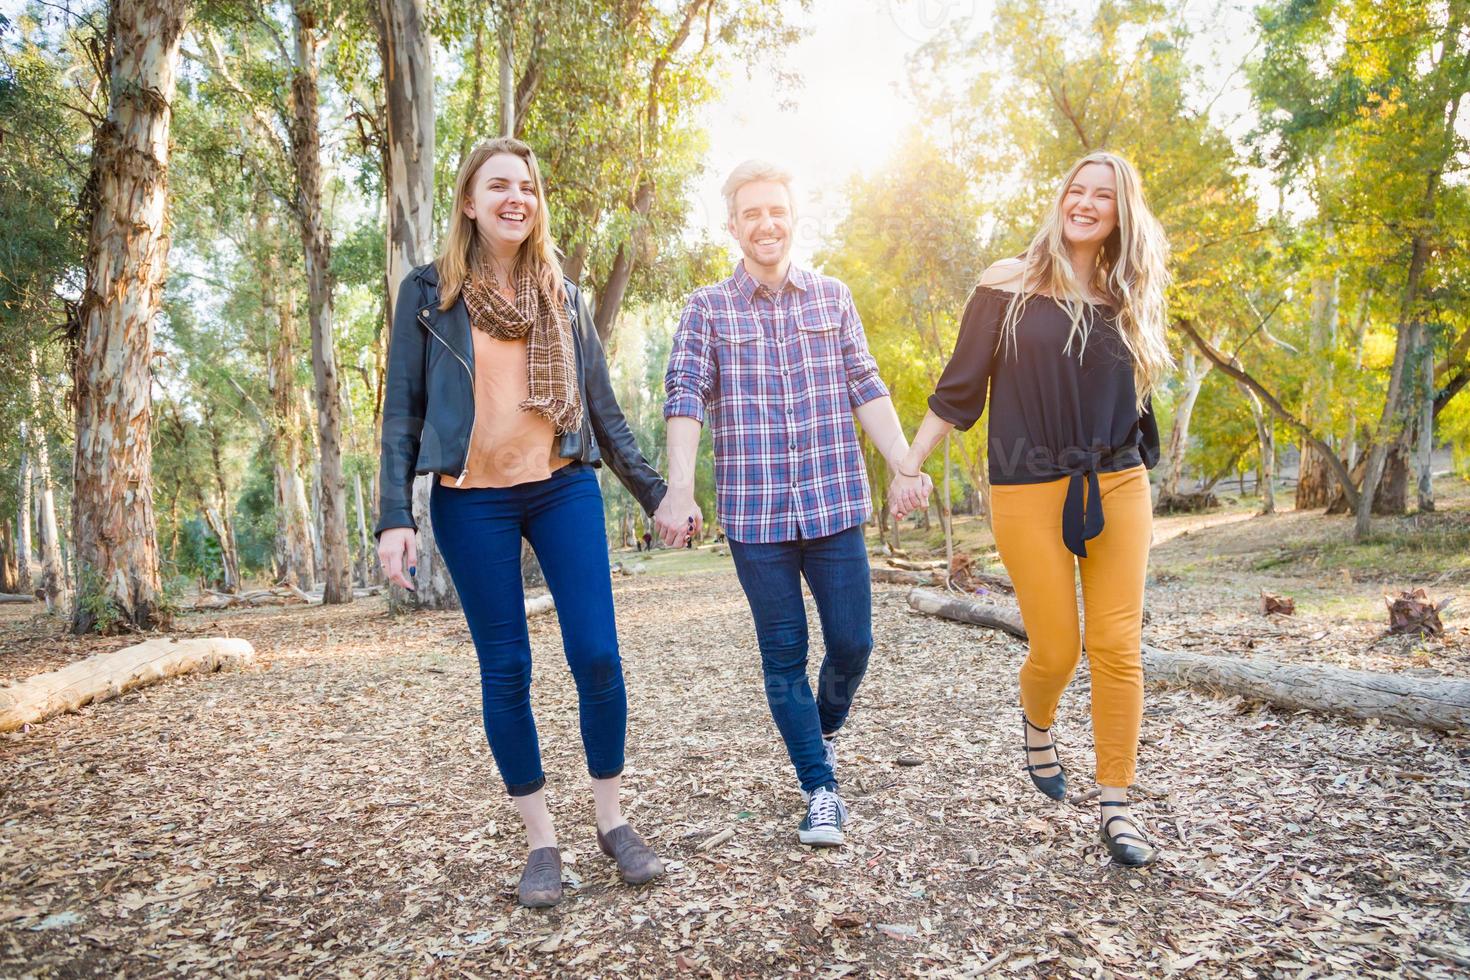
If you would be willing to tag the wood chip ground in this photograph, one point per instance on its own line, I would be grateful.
(335, 812)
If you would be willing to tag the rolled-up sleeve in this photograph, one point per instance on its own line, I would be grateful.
(863, 381)
(690, 379)
(959, 397)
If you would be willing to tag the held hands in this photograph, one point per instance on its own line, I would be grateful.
(673, 518)
(908, 493)
(399, 556)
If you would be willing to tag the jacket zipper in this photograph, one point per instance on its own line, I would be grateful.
(466, 471)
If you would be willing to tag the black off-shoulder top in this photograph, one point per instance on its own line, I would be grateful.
(1053, 415)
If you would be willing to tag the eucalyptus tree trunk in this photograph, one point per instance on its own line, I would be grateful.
(23, 512)
(53, 573)
(610, 299)
(1383, 442)
(1420, 247)
(1314, 472)
(364, 539)
(1194, 378)
(507, 114)
(314, 496)
(1266, 444)
(316, 242)
(217, 514)
(1424, 424)
(9, 578)
(476, 69)
(127, 253)
(407, 53)
(296, 557)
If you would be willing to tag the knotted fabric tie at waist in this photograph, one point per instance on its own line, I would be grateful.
(1082, 520)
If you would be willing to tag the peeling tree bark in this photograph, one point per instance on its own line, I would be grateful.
(127, 253)
(316, 242)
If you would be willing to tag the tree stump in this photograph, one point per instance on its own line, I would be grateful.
(1415, 612)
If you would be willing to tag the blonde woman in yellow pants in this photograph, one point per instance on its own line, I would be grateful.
(1066, 343)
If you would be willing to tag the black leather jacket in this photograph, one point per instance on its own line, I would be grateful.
(429, 405)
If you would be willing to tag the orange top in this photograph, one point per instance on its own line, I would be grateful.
(509, 445)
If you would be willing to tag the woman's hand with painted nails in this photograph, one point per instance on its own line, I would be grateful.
(399, 556)
(678, 518)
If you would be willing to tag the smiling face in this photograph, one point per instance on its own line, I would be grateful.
(1089, 208)
(502, 202)
(761, 223)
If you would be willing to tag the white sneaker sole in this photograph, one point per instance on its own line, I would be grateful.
(821, 837)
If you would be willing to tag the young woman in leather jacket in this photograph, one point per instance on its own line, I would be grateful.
(498, 386)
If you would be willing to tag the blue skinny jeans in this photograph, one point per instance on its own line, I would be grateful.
(479, 533)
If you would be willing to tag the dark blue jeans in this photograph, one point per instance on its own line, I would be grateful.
(479, 534)
(836, 569)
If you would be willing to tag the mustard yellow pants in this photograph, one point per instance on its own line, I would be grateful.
(1027, 521)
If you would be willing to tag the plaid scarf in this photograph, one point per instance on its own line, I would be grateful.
(551, 358)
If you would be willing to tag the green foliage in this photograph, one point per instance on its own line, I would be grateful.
(910, 250)
(97, 603)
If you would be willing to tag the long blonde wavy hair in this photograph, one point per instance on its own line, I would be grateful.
(461, 249)
(1131, 274)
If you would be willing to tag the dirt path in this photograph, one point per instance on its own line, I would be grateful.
(336, 813)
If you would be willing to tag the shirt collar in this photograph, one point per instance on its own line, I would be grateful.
(796, 278)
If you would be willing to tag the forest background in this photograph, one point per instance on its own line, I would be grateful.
(302, 153)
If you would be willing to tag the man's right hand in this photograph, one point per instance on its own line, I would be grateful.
(671, 520)
(399, 555)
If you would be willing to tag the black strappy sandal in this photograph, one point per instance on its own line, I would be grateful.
(1054, 786)
(1129, 855)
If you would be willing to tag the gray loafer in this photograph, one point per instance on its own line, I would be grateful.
(636, 861)
(541, 881)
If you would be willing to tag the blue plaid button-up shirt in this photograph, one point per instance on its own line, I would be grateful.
(779, 374)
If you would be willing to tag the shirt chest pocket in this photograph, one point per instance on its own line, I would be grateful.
(740, 350)
(818, 350)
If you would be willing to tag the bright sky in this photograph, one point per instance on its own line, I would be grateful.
(852, 106)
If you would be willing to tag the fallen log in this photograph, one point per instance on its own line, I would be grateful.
(992, 615)
(227, 600)
(1426, 702)
(898, 576)
(107, 675)
(911, 565)
(16, 597)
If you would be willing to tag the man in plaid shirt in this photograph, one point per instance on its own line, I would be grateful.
(776, 358)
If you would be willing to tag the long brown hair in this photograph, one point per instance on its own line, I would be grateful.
(460, 251)
(1132, 272)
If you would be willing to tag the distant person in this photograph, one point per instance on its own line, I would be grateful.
(497, 382)
(1068, 343)
(775, 355)
(647, 541)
